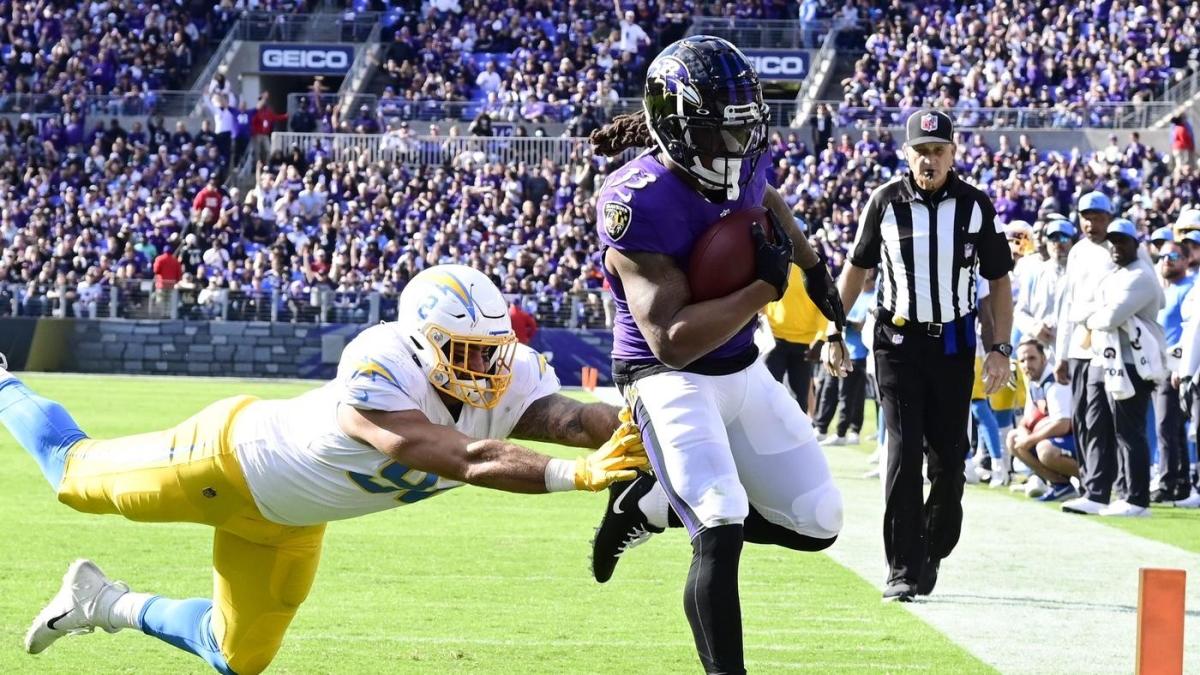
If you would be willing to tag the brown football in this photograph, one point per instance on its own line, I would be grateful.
(722, 259)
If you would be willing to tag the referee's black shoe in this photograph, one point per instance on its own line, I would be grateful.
(623, 525)
(928, 578)
(899, 591)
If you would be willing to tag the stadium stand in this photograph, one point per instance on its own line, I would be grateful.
(1078, 59)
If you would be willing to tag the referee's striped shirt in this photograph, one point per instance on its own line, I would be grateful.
(930, 247)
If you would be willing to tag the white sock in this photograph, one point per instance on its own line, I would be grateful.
(655, 506)
(127, 609)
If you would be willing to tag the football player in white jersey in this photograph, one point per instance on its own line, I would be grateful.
(417, 408)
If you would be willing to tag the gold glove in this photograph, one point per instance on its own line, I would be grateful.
(618, 459)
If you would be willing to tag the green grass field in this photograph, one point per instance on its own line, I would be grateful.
(472, 581)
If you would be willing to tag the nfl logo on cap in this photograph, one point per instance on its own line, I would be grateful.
(929, 122)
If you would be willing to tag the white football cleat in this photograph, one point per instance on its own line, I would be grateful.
(833, 441)
(82, 605)
(1124, 509)
(1083, 505)
(1192, 502)
(852, 438)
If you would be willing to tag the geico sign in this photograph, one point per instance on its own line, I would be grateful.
(306, 59)
(785, 66)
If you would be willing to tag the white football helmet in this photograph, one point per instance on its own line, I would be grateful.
(449, 310)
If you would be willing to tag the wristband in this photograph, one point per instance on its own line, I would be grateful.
(833, 338)
(560, 475)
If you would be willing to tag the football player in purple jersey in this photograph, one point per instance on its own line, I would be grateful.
(735, 458)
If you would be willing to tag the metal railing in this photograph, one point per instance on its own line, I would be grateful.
(365, 63)
(271, 27)
(819, 71)
(138, 299)
(762, 33)
(434, 150)
(1181, 95)
(166, 102)
(1062, 116)
(218, 57)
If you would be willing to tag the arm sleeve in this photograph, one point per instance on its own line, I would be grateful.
(868, 242)
(1130, 297)
(1189, 361)
(995, 260)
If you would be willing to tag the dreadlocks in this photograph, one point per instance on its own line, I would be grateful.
(624, 132)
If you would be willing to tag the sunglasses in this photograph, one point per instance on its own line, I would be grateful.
(1060, 238)
(1172, 256)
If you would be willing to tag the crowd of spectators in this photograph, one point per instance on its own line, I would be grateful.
(62, 52)
(828, 187)
(1075, 57)
(313, 239)
(104, 208)
(96, 56)
(547, 62)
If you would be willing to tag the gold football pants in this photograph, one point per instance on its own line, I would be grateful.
(262, 571)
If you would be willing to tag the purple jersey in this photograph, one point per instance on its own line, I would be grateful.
(644, 207)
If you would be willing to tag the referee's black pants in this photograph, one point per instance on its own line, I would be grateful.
(925, 389)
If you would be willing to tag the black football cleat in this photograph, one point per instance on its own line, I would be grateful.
(623, 525)
(928, 578)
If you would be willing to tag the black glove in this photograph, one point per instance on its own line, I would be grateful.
(824, 292)
(772, 261)
(1187, 392)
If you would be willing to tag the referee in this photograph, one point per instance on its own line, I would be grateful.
(931, 233)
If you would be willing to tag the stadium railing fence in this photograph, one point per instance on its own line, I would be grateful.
(273, 27)
(435, 150)
(1062, 116)
(139, 299)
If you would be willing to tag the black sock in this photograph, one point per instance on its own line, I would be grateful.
(711, 601)
(759, 530)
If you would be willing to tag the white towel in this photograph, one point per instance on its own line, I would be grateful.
(1107, 347)
(1148, 356)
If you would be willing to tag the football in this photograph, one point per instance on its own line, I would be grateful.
(722, 259)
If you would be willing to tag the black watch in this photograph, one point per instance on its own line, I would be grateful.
(1004, 348)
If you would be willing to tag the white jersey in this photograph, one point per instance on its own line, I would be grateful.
(303, 470)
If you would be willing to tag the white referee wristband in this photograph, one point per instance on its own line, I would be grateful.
(560, 475)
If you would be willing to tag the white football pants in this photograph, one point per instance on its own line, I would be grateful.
(720, 443)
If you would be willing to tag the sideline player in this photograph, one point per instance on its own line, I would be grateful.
(398, 424)
(734, 456)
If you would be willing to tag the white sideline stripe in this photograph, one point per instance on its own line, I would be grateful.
(1028, 588)
(522, 642)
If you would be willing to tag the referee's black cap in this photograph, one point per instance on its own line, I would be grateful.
(929, 126)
